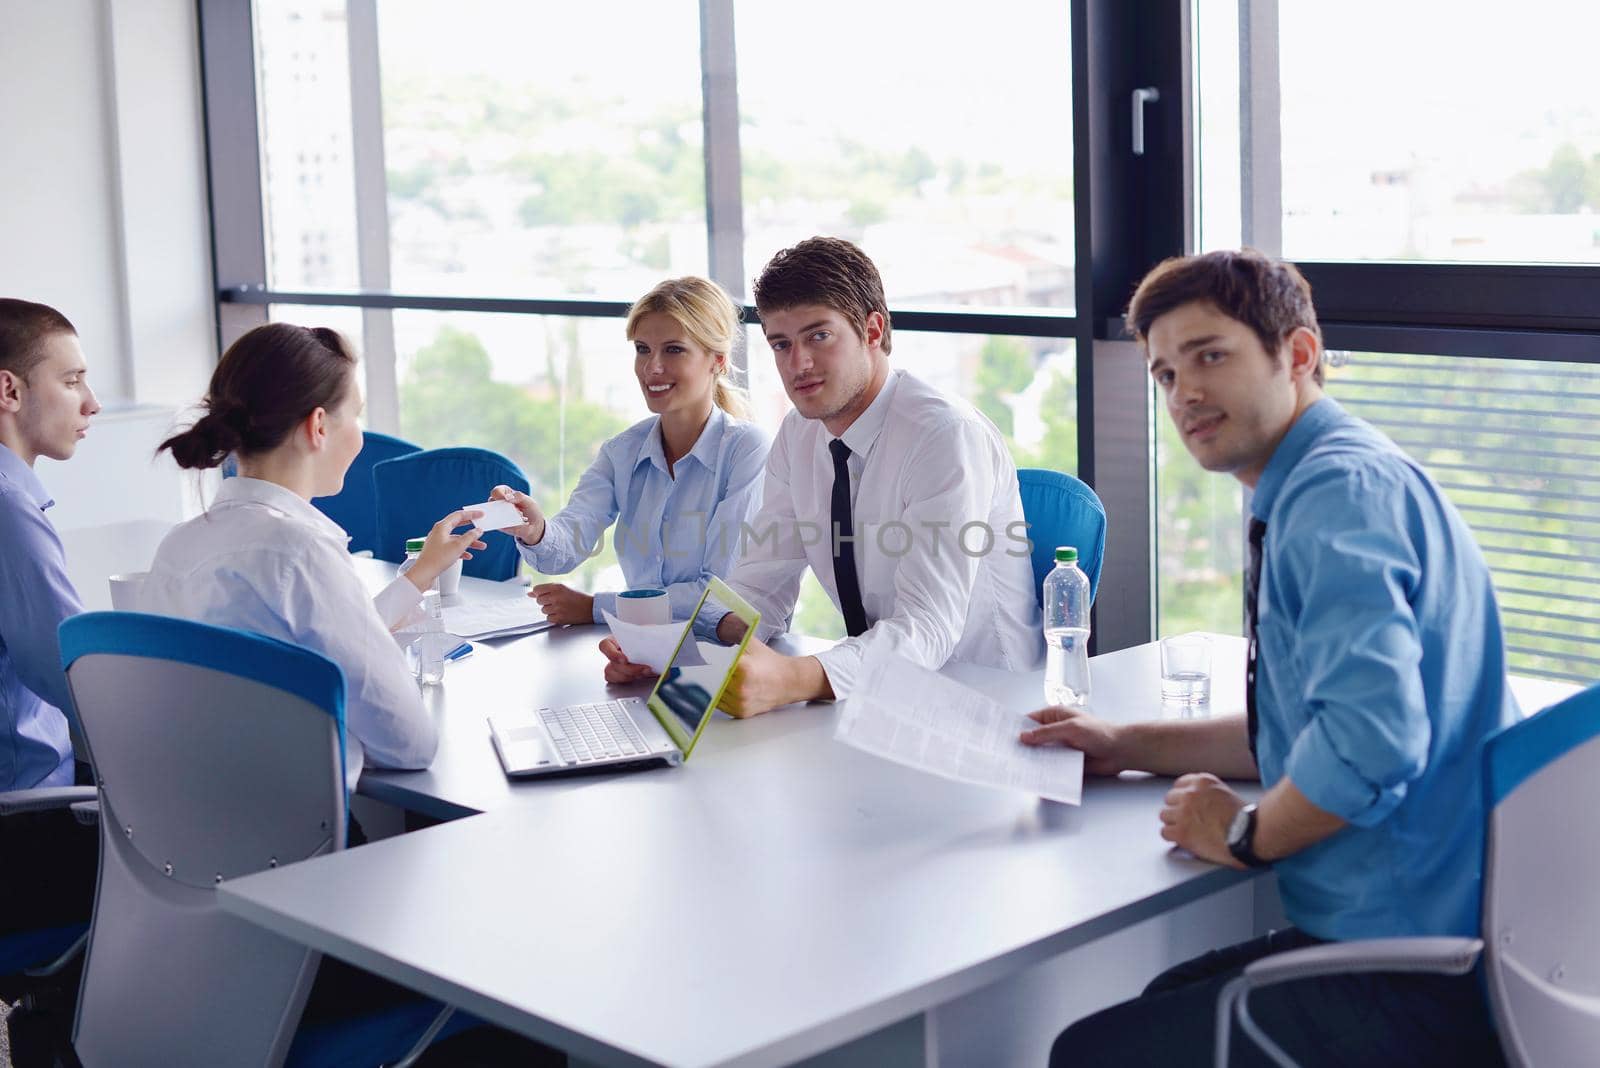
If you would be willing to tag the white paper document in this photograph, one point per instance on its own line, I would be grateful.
(921, 719)
(653, 643)
(494, 619)
(497, 515)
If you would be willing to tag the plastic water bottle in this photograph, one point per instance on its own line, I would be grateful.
(431, 643)
(414, 547)
(1066, 631)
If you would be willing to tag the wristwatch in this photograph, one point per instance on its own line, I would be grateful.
(1242, 838)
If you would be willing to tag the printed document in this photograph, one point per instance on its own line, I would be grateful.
(653, 643)
(494, 619)
(921, 719)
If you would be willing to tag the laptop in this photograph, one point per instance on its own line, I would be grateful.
(608, 735)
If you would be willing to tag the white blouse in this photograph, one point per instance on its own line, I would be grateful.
(262, 559)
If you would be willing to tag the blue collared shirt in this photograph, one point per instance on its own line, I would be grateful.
(35, 596)
(1381, 667)
(676, 530)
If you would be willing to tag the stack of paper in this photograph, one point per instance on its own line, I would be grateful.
(919, 718)
(652, 644)
(498, 618)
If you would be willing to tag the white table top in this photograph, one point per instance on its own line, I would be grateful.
(776, 896)
(762, 903)
(559, 666)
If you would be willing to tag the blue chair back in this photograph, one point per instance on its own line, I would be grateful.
(355, 507)
(220, 753)
(1061, 510)
(418, 490)
(1541, 928)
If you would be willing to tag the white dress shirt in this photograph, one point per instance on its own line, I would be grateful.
(262, 559)
(926, 470)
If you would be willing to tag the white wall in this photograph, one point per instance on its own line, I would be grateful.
(58, 208)
(103, 215)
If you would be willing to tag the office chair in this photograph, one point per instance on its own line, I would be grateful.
(417, 490)
(355, 507)
(1061, 510)
(219, 753)
(1541, 927)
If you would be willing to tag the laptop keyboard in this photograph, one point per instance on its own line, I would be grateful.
(586, 733)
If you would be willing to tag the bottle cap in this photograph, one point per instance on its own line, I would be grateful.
(414, 545)
(1066, 554)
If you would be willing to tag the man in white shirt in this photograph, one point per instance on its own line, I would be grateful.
(903, 501)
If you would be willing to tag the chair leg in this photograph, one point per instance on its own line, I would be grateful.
(1225, 1003)
(1253, 1029)
(426, 1040)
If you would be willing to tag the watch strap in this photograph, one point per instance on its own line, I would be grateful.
(1243, 848)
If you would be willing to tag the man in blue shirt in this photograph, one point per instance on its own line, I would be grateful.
(45, 408)
(1377, 667)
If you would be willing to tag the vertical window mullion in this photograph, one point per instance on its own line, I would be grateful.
(719, 86)
(372, 212)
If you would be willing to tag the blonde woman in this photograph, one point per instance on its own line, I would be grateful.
(678, 484)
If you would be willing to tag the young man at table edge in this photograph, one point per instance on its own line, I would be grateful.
(898, 471)
(45, 409)
(1377, 667)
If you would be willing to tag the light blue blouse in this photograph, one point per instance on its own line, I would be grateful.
(673, 532)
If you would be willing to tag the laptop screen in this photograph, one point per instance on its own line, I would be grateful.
(688, 690)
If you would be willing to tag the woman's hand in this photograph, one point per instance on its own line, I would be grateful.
(531, 532)
(442, 548)
(563, 604)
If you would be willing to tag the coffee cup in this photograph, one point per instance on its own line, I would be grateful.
(644, 606)
(126, 589)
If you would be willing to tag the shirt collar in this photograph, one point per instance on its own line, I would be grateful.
(705, 447)
(242, 490)
(860, 435)
(13, 470)
(1314, 422)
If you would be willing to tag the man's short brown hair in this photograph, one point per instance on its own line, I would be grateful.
(1268, 295)
(828, 271)
(24, 326)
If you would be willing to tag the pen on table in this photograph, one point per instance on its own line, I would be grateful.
(460, 652)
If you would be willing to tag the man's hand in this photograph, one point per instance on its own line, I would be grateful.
(563, 604)
(1099, 740)
(619, 669)
(1198, 810)
(765, 679)
(531, 532)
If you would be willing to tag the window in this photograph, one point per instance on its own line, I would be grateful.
(1510, 443)
(544, 149)
(303, 94)
(942, 146)
(1471, 136)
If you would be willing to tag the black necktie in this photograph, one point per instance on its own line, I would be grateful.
(1252, 590)
(844, 552)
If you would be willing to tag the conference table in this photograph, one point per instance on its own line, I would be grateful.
(780, 897)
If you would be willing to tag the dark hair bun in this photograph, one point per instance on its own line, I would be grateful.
(207, 443)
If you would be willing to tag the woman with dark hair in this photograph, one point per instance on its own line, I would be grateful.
(284, 401)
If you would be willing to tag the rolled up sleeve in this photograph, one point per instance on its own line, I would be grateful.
(1349, 581)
